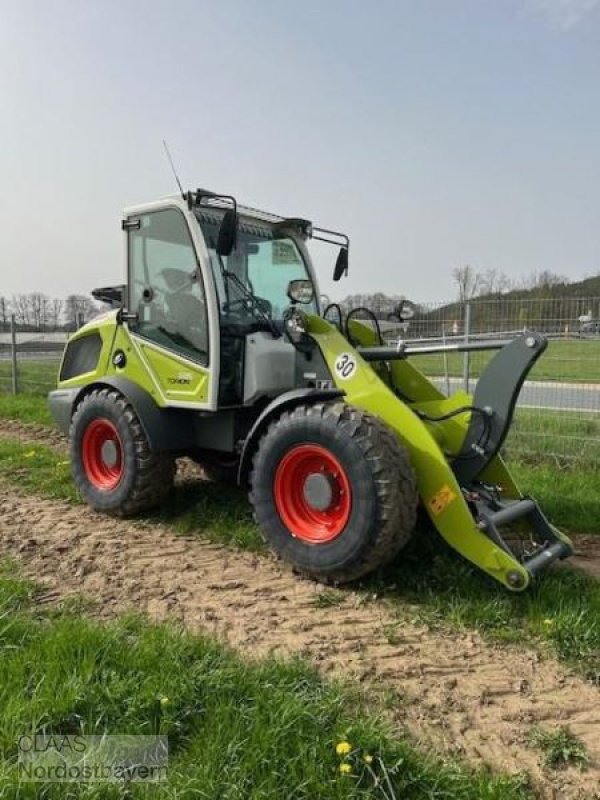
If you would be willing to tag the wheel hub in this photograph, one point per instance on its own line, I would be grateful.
(319, 490)
(109, 453)
(312, 493)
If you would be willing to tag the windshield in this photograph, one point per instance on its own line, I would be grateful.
(260, 266)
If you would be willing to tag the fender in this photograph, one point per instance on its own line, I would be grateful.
(167, 429)
(284, 402)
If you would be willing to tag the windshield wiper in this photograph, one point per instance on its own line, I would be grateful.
(254, 302)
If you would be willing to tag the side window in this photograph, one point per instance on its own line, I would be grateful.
(165, 285)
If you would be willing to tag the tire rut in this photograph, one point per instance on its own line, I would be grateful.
(455, 691)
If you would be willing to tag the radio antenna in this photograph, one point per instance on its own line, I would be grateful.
(173, 167)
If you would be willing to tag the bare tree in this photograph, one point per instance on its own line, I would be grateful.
(543, 281)
(55, 312)
(492, 281)
(21, 309)
(79, 308)
(5, 311)
(468, 280)
(38, 309)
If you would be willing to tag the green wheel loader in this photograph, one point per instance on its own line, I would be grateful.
(216, 348)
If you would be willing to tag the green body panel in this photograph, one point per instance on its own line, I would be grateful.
(391, 391)
(429, 444)
(166, 376)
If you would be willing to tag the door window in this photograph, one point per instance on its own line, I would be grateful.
(165, 285)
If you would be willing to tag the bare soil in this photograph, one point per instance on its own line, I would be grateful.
(455, 691)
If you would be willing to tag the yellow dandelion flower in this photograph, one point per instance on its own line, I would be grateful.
(345, 769)
(343, 748)
(164, 701)
(368, 759)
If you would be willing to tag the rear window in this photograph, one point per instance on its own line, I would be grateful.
(81, 356)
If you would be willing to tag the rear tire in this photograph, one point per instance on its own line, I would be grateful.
(112, 463)
(333, 491)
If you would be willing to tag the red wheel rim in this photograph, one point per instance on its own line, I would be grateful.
(312, 522)
(102, 454)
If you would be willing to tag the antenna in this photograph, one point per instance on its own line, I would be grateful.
(173, 167)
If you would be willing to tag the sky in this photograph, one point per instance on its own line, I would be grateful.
(435, 133)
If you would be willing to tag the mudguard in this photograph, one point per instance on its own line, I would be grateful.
(167, 429)
(284, 402)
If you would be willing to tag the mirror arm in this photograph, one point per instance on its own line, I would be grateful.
(127, 316)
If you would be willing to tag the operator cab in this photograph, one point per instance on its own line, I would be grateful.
(209, 282)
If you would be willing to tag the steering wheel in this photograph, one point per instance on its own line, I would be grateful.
(243, 303)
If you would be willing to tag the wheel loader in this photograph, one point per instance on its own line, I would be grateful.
(216, 348)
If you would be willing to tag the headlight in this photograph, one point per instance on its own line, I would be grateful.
(295, 324)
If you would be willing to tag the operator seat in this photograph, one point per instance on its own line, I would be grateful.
(186, 312)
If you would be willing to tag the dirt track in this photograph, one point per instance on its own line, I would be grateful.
(460, 693)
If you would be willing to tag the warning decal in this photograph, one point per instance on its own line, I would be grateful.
(441, 500)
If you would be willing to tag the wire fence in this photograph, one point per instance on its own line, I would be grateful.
(558, 411)
(29, 361)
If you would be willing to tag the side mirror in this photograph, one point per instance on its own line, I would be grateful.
(405, 310)
(227, 237)
(301, 291)
(341, 264)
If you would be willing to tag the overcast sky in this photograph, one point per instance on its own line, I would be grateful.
(435, 133)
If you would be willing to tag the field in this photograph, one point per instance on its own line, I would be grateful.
(575, 360)
(34, 376)
(267, 714)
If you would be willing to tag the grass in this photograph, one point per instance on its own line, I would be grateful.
(37, 377)
(561, 748)
(561, 611)
(329, 598)
(561, 435)
(573, 360)
(569, 360)
(569, 494)
(37, 469)
(26, 407)
(236, 729)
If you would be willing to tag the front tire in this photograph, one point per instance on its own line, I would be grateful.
(113, 466)
(333, 491)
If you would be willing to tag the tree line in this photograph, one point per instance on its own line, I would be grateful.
(36, 311)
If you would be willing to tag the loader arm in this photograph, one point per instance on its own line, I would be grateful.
(465, 516)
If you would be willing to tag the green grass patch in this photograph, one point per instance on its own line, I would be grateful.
(571, 360)
(561, 437)
(561, 610)
(35, 468)
(217, 512)
(568, 494)
(328, 598)
(561, 748)
(37, 377)
(236, 729)
(25, 407)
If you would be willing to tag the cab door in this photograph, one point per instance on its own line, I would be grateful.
(166, 291)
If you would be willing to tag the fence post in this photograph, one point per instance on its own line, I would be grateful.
(13, 353)
(467, 356)
(445, 354)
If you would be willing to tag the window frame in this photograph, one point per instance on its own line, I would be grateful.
(203, 361)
